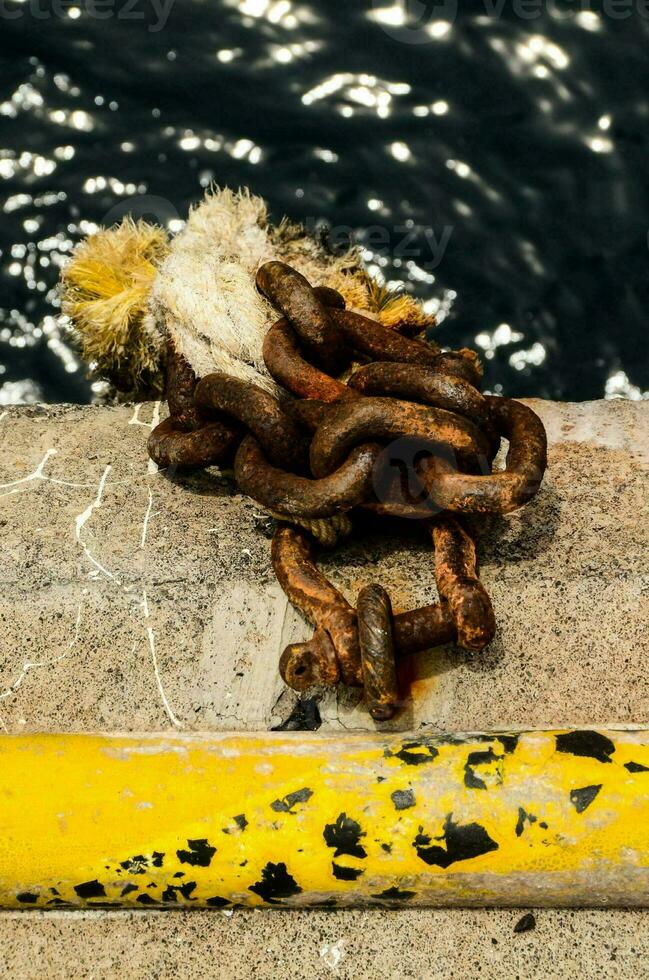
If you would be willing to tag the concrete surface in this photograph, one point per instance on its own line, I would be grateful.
(130, 601)
(422, 945)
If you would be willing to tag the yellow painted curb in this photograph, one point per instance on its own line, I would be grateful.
(291, 820)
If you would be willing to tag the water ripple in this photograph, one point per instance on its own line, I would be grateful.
(494, 165)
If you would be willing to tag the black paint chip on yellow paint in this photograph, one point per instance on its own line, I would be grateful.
(140, 862)
(217, 902)
(240, 824)
(286, 804)
(276, 883)
(582, 798)
(635, 767)
(592, 745)
(403, 799)
(345, 874)
(463, 842)
(415, 753)
(200, 853)
(90, 889)
(523, 818)
(475, 759)
(27, 897)
(171, 892)
(146, 900)
(345, 835)
(395, 894)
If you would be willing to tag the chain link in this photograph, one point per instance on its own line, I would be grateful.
(409, 435)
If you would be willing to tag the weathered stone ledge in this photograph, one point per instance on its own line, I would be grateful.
(134, 602)
(131, 602)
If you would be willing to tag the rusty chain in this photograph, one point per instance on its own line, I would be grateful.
(408, 435)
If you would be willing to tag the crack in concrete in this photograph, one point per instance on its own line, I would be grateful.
(30, 665)
(170, 714)
(99, 569)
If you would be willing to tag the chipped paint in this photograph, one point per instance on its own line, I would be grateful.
(558, 817)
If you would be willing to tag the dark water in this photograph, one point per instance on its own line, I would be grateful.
(493, 157)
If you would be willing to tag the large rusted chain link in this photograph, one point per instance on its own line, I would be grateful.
(386, 419)
(290, 292)
(260, 413)
(376, 642)
(328, 610)
(325, 607)
(458, 584)
(186, 439)
(408, 435)
(465, 614)
(498, 493)
(439, 386)
(289, 368)
(287, 493)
